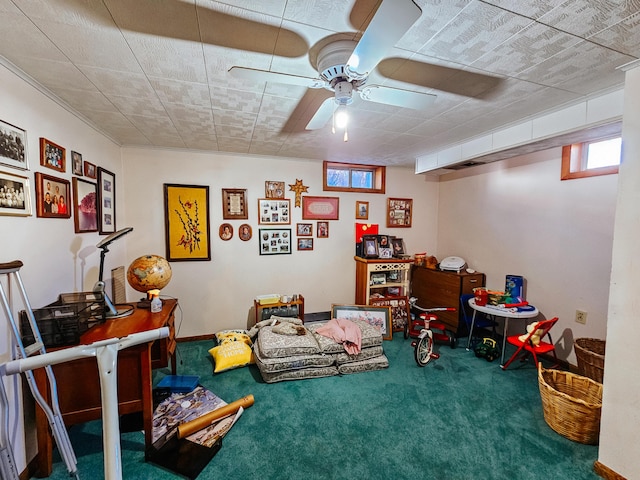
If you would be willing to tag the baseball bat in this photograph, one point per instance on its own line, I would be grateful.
(207, 419)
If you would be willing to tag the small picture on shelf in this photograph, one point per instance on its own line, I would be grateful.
(393, 291)
(385, 253)
(378, 279)
(393, 276)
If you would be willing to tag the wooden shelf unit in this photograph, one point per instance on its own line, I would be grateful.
(295, 308)
(366, 268)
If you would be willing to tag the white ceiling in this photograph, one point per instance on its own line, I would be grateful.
(155, 72)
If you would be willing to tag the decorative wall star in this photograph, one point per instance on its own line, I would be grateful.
(299, 188)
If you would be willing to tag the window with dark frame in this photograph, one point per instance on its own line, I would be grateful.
(590, 159)
(349, 177)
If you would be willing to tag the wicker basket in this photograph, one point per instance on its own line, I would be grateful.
(571, 404)
(590, 356)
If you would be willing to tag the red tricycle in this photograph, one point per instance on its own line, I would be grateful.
(426, 329)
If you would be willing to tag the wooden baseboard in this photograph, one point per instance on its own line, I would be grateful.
(605, 472)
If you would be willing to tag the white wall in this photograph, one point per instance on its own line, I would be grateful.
(517, 217)
(56, 260)
(620, 432)
(219, 294)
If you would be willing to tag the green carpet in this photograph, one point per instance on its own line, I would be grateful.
(459, 417)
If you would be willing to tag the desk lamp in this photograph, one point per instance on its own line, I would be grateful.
(110, 310)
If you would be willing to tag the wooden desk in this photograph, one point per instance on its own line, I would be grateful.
(79, 383)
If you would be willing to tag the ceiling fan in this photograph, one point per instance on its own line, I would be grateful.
(344, 66)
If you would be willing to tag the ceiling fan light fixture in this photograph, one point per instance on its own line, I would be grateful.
(341, 117)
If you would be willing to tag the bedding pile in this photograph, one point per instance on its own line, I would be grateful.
(294, 354)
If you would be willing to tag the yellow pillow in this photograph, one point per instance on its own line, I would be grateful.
(231, 354)
(233, 336)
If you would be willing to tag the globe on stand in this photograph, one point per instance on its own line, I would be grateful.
(149, 272)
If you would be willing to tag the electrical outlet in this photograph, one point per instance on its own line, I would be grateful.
(581, 317)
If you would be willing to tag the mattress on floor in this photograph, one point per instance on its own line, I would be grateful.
(371, 336)
(276, 345)
(294, 362)
(365, 354)
(299, 374)
(376, 363)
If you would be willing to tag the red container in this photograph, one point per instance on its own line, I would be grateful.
(481, 296)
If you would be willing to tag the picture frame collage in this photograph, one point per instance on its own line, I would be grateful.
(382, 246)
(91, 203)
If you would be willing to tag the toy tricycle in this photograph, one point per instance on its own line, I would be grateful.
(426, 329)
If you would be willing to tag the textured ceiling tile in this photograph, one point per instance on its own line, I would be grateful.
(623, 37)
(124, 84)
(435, 15)
(201, 143)
(535, 44)
(237, 100)
(233, 144)
(243, 120)
(148, 106)
(528, 8)
(586, 17)
(167, 140)
(53, 74)
(173, 91)
(83, 99)
(153, 126)
(234, 131)
(15, 28)
(478, 29)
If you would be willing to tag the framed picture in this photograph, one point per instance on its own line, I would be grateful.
(234, 204)
(15, 195)
(244, 232)
(226, 231)
(52, 156)
(385, 253)
(186, 218)
(399, 212)
(376, 316)
(398, 246)
(305, 244)
(378, 279)
(320, 208)
(106, 201)
(90, 170)
(13, 146)
(76, 163)
(275, 241)
(370, 246)
(400, 310)
(50, 190)
(274, 211)
(323, 230)
(85, 212)
(273, 189)
(362, 210)
(304, 229)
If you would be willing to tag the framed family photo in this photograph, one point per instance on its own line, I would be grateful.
(376, 316)
(53, 196)
(13, 146)
(399, 212)
(305, 244)
(323, 230)
(274, 211)
(304, 229)
(76, 163)
(275, 241)
(90, 170)
(52, 155)
(273, 189)
(362, 210)
(15, 195)
(245, 232)
(186, 218)
(106, 201)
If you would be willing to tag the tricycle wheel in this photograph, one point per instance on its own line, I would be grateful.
(423, 350)
(453, 341)
(406, 329)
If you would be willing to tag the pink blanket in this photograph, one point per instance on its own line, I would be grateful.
(343, 331)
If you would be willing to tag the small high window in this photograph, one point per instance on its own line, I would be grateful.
(588, 159)
(349, 177)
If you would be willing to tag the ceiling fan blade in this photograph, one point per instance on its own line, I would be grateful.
(305, 110)
(445, 79)
(396, 97)
(257, 75)
(389, 24)
(322, 115)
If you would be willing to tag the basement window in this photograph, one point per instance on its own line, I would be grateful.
(349, 177)
(589, 159)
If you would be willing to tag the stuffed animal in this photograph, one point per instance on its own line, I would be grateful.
(535, 338)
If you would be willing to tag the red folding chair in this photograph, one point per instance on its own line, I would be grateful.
(527, 345)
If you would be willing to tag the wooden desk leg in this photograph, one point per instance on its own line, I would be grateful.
(147, 396)
(44, 457)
